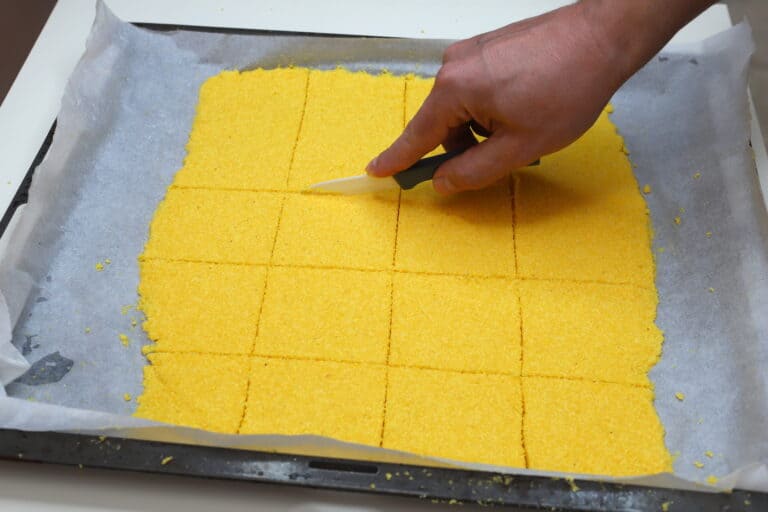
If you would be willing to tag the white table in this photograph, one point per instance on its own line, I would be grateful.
(31, 106)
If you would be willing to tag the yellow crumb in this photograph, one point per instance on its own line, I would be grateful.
(665, 506)
(709, 453)
(678, 220)
(127, 397)
(647, 189)
(87, 330)
(709, 234)
(712, 480)
(99, 267)
(680, 396)
(698, 464)
(125, 309)
(682, 210)
(388, 476)
(166, 460)
(133, 322)
(697, 176)
(372, 486)
(108, 261)
(124, 340)
(572, 484)
(711, 290)
(102, 439)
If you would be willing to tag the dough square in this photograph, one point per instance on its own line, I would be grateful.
(338, 400)
(348, 120)
(201, 307)
(340, 315)
(590, 331)
(462, 416)
(455, 323)
(337, 231)
(214, 225)
(586, 427)
(580, 215)
(204, 391)
(245, 130)
(466, 234)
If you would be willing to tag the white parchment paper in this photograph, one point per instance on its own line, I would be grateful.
(121, 133)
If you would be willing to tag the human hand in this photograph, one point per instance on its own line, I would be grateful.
(532, 87)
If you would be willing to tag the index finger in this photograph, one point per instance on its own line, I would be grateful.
(427, 130)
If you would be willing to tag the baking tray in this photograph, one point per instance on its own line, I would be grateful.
(435, 484)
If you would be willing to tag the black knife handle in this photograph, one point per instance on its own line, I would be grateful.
(425, 169)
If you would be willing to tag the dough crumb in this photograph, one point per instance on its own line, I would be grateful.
(388, 476)
(709, 234)
(711, 290)
(572, 484)
(665, 506)
(99, 267)
(680, 396)
(709, 453)
(697, 176)
(647, 189)
(678, 220)
(127, 397)
(712, 480)
(108, 261)
(87, 330)
(698, 464)
(166, 460)
(124, 340)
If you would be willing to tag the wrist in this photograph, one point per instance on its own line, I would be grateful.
(631, 32)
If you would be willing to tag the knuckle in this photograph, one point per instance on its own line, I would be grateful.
(448, 77)
(452, 51)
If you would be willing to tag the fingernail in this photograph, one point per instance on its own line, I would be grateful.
(443, 185)
(370, 168)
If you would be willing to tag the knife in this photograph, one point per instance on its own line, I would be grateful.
(421, 171)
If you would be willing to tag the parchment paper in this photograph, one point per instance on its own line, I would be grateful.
(122, 128)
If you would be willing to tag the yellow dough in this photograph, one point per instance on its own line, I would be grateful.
(510, 326)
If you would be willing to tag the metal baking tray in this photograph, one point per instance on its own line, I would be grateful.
(450, 486)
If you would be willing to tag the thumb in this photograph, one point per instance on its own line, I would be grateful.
(481, 165)
(428, 129)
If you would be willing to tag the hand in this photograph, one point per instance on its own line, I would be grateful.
(532, 87)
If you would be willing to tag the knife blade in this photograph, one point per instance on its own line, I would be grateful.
(421, 171)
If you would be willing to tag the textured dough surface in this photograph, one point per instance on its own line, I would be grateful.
(512, 326)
